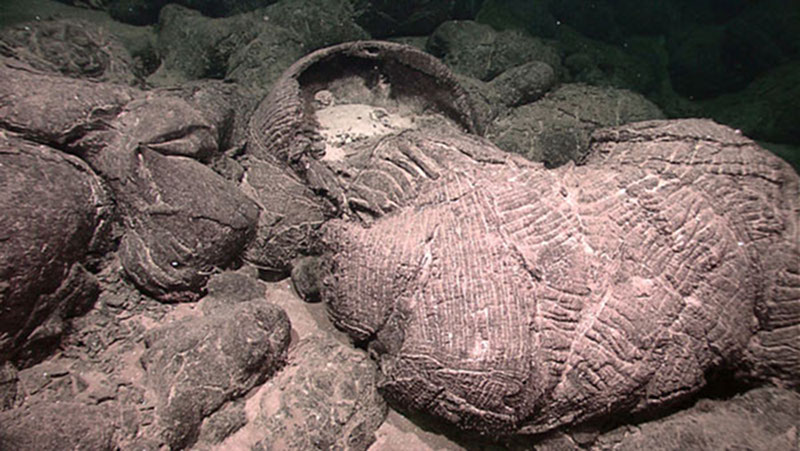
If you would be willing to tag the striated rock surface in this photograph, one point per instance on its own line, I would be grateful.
(380, 85)
(754, 191)
(290, 214)
(493, 294)
(144, 147)
(514, 299)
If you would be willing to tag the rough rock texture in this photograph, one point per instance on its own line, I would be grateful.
(763, 418)
(557, 128)
(325, 398)
(315, 23)
(57, 426)
(514, 299)
(306, 272)
(55, 213)
(75, 48)
(221, 424)
(81, 105)
(397, 78)
(290, 214)
(9, 386)
(197, 364)
(193, 46)
(176, 233)
(227, 108)
(479, 51)
(753, 190)
(144, 147)
(260, 62)
(252, 49)
(523, 84)
(515, 87)
(376, 129)
(230, 288)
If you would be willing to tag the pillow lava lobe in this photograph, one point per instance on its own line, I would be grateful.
(505, 298)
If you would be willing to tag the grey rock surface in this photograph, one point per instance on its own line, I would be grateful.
(479, 51)
(557, 128)
(162, 251)
(57, 426)
(638, 63)
(196, 365)
(31, 96)
(514, 299)
(253, 48)
(307, 277)
(143, 147)
(72, 47)
(55, 213)
(524, 84)
(398, 79)
(290, 214)
(221, 424)
(9, 386)
(761, 419)
(515, 87)
(193, 46)
(325, 398)
(749, 184)
(230, 288)
(385, 139)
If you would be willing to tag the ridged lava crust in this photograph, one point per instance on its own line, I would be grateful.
(285, 125)
(507, 298)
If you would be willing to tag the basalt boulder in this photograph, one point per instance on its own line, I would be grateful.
(516, 299)
(55, 215)
(479, 51)
(145, 147)
(349, 120)
(175, 232)
(507, 298)
(557, 128)
(54, 426)
(196, 365)
(326, 397)
(73, 47)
